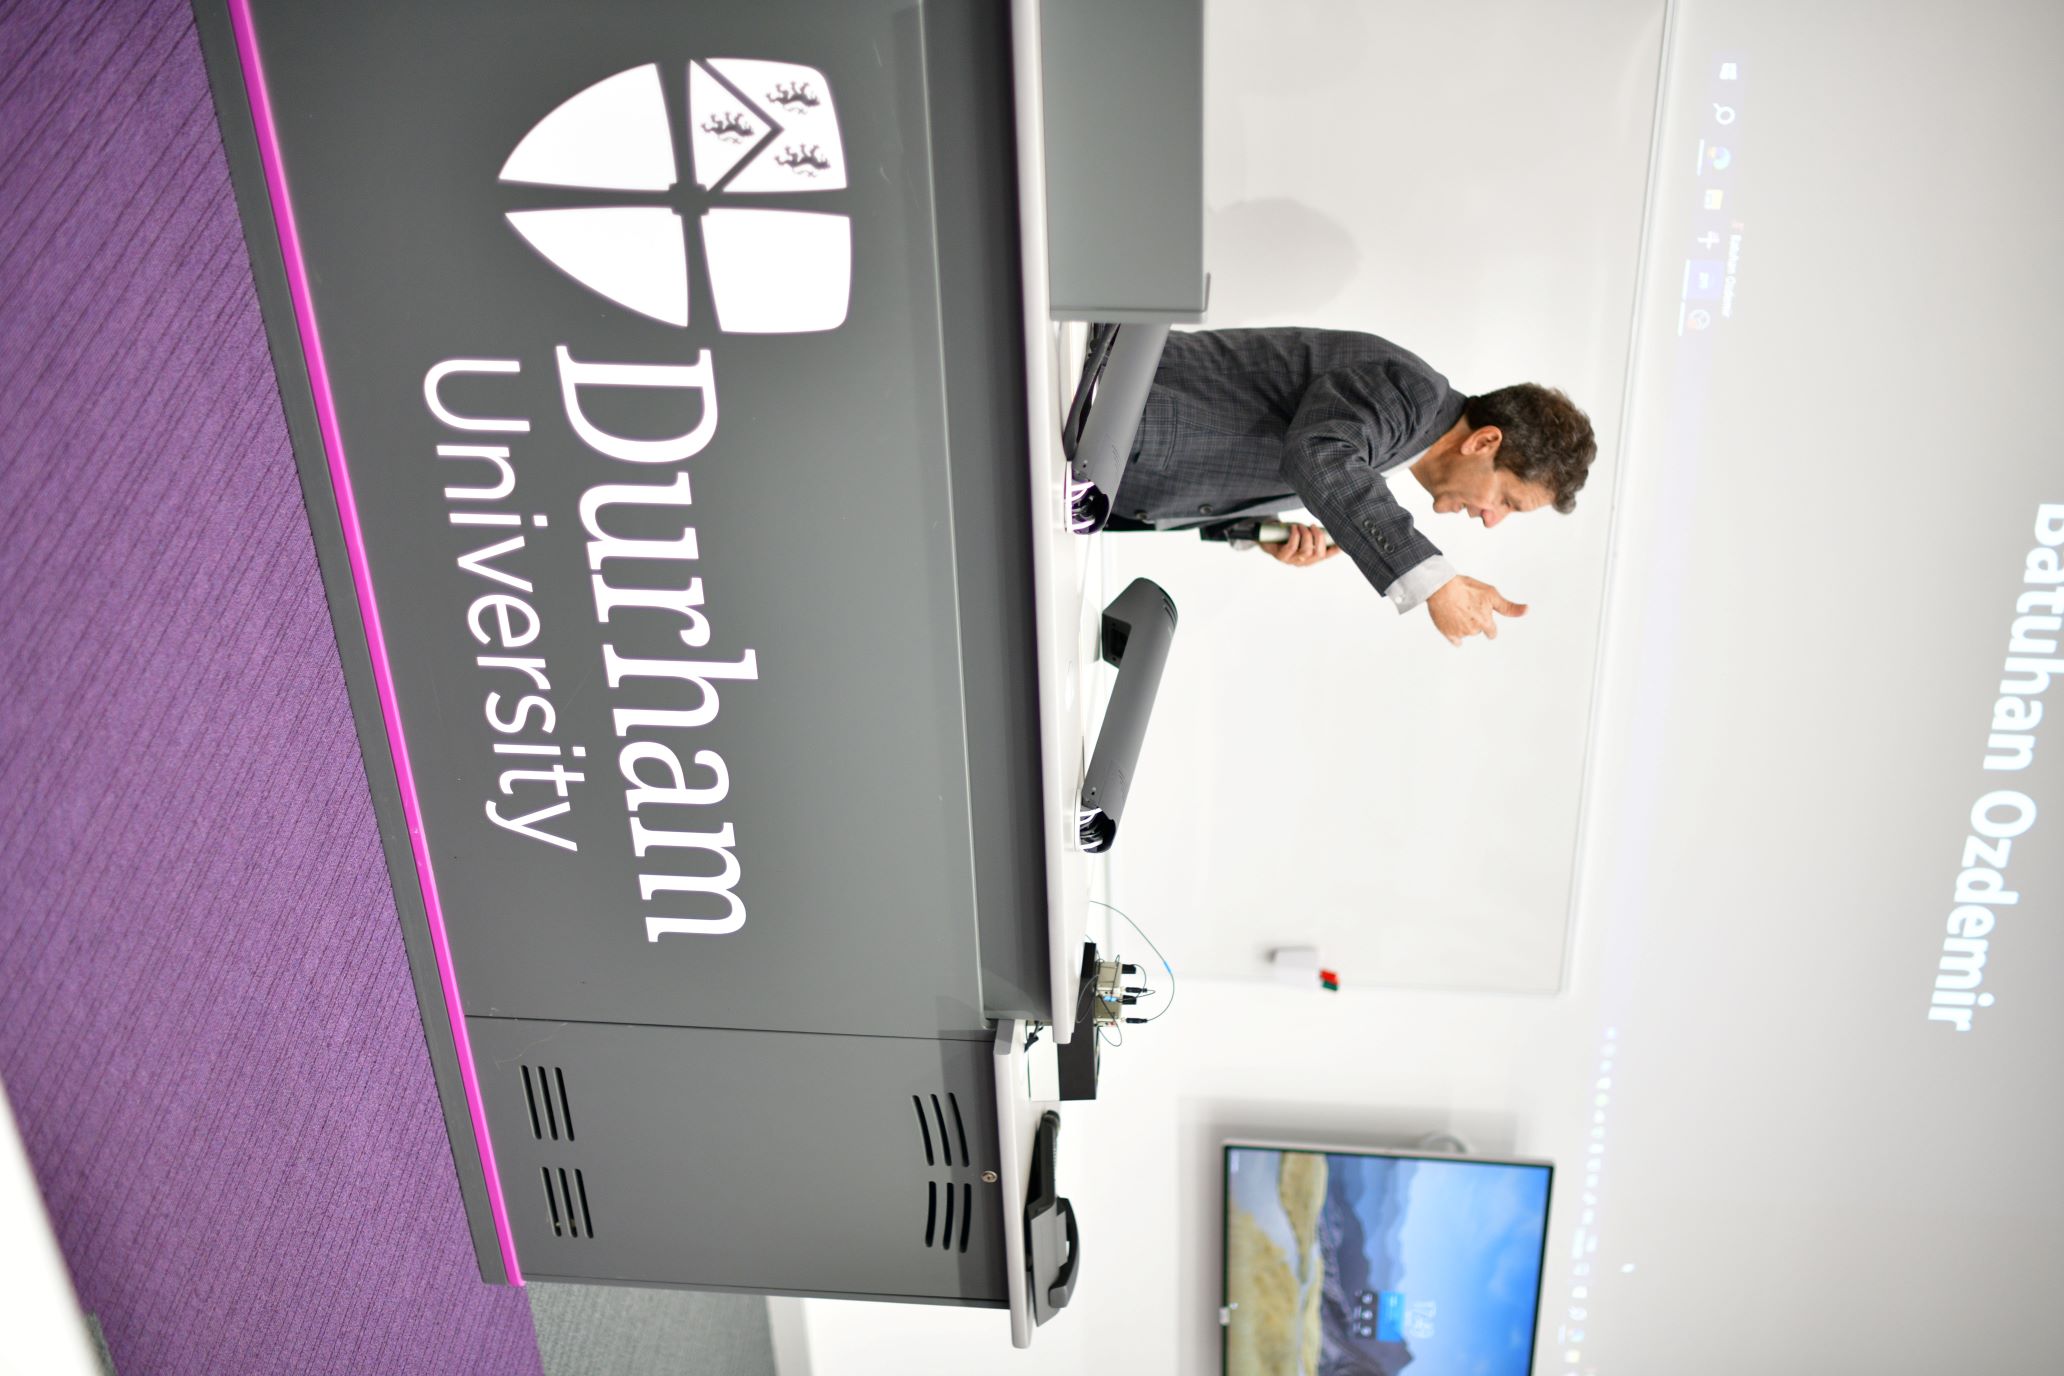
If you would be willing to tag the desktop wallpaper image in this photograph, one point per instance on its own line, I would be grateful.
(1344, 1265)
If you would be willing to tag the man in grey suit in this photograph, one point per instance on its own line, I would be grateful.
(1242, 423)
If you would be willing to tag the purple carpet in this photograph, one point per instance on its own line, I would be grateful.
(206, 1023)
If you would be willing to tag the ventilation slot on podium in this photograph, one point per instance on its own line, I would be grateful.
(566, 1195)
(938, 1116)
(926, 1129)
(959, 1129)
(551, 1112)
(961, 1203)
(945, 1205)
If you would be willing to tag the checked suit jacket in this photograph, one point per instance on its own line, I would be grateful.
(1248, 422)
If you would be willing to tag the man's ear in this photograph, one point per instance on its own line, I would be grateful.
(1483, 442)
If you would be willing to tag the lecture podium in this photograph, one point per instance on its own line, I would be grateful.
(676, 392)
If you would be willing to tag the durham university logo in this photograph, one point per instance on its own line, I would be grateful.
(753, 127)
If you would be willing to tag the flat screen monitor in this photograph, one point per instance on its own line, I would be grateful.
(1346, 1262)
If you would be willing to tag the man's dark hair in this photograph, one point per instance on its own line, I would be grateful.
(1547, 439)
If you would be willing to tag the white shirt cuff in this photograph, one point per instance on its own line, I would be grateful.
(1419, 582)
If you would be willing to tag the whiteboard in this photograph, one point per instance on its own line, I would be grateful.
(1468, 182)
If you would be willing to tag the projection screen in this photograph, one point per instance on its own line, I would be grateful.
(1827, 841)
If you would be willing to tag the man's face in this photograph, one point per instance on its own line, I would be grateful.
(1485, 492)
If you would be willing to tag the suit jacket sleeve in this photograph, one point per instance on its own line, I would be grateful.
(1350, 425)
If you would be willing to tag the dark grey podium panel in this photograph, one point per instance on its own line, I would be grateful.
(1125, 158)
(656, 376)
(817, 517)
(773, 1162)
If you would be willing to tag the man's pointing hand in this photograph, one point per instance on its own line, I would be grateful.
(1463, 607)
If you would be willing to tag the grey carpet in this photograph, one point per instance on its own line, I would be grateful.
(618, 1330)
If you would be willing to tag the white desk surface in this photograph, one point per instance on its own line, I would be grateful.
(1068, 606)
(1066, 618)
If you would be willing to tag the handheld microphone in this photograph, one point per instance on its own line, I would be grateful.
(1262, 532)
(1276, 532)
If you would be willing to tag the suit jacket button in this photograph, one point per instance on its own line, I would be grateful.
(1204, 510)
(1139, 515)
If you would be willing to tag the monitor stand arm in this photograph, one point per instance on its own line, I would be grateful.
(1138, 629)
(1097, 438)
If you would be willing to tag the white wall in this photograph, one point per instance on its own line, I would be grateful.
(42, 1328)
(1769, 1157)
(1504, 250)
(1507, 1074)
(1465, 179)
